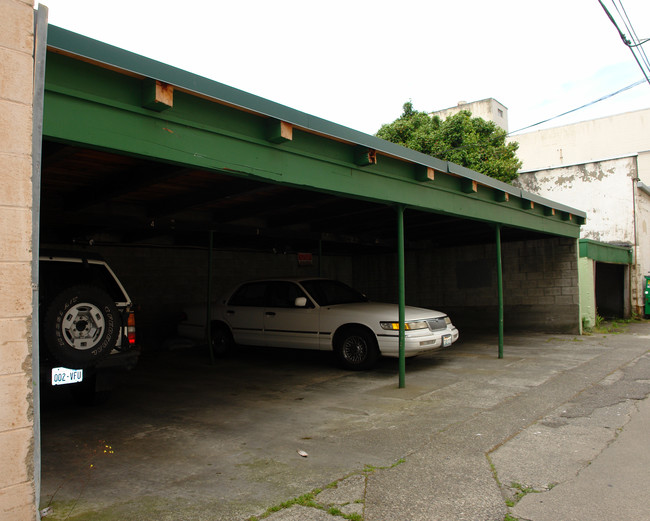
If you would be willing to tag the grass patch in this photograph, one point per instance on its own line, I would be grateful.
(369, 469)
(612, 327)
(522, 490)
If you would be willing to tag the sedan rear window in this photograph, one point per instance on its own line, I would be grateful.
(332, 292)
(253, 294)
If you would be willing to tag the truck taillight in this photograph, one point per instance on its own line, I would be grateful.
(130, 328)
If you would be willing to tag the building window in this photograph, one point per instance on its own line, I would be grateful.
(500, 112)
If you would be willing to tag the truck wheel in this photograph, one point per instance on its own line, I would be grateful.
(82, 325)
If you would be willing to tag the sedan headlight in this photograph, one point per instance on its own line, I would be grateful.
(408, 326)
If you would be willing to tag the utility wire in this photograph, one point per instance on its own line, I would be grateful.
(634, 45)
(579, 108)
(635, 39)
(631, 45)
(640, 43)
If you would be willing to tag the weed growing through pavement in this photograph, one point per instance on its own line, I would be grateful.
(310, 500)
(522, 490)
(604, 327)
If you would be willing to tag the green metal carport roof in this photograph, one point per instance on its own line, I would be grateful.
(102, 97)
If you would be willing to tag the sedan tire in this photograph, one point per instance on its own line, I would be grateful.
(356, 349)
(222, 340)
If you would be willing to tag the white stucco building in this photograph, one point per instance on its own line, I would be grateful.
(489, 109)
(601, 166)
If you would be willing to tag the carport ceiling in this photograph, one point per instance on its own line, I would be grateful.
(106, 197)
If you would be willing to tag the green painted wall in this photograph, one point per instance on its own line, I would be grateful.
(587, 288)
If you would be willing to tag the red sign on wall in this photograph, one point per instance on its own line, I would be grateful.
(305, 259)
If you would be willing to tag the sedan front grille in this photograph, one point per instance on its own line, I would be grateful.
(436, 324)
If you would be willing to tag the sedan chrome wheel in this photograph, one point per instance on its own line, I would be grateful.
(356, 348)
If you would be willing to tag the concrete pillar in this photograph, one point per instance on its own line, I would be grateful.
(17, 490)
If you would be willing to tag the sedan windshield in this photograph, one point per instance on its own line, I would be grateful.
(332, 292)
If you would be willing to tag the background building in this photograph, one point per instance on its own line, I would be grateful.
(489, 109)
(601, 166)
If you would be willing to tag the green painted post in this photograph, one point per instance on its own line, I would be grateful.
(402, 295)
(208, 318)
(500, 288)
(320, 258)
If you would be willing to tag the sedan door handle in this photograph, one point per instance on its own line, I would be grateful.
(270, 313)
(230, 312)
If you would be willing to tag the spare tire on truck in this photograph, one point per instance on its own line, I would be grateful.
(81, 327)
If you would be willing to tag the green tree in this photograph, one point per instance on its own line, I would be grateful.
(471, 142)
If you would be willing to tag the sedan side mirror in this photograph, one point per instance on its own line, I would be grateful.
(300, 302)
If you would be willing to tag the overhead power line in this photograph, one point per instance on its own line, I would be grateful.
(636, 83)
(635, 39)
(632, 42)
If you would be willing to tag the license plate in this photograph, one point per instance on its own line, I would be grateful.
(446, 340)
(63, 376)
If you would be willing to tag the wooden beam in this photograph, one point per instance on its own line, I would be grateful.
(501, 196)
(157, 95)
(469, 186)
(364, 156)
(279, 131)
(527, 205)
(424, 173)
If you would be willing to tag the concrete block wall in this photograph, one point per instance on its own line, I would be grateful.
(540, 281)
(17, 492)
(540, 284)
(162, 280)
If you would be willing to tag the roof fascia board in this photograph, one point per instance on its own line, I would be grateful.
(603, 252)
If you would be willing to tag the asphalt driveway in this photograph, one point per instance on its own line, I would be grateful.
(185, 440)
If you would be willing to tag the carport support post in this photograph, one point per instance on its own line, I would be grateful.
(320, 257)
(500, 288)
(402, 294)
(208, 329)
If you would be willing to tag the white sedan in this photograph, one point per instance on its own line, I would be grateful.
(316, 313)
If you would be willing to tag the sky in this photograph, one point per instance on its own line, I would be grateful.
(356, 62)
